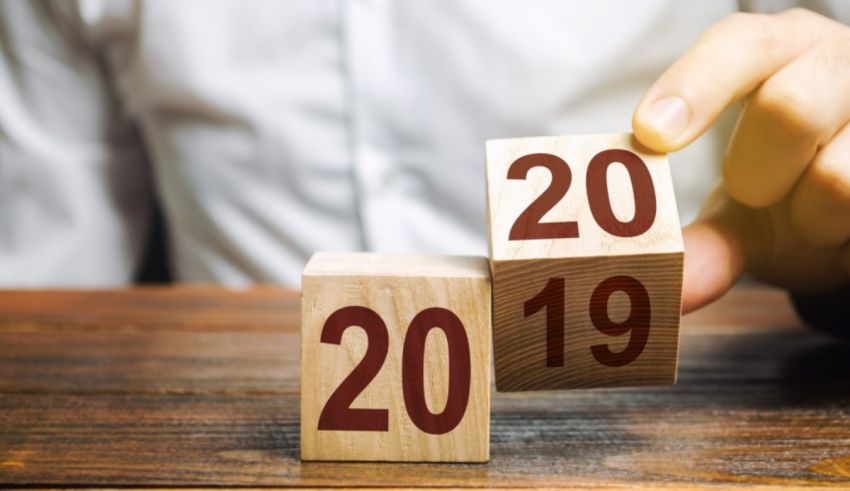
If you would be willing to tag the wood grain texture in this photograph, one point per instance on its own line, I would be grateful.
(507, 198)
(523, 267)
(397, 288)
(150, 308)
(520, 341)
(761, 401)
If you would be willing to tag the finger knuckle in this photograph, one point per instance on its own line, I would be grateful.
(821, 201)
(820, 25)
(802, 14)
(811, 226)
(757, 28)
(790, 106)
(738, 183)
(831, 178)
(833, 56)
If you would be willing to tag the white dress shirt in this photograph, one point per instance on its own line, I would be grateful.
(272, 129)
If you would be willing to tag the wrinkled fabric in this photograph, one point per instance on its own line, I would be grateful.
(269, 130)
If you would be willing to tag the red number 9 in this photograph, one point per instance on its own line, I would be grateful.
(637, 323)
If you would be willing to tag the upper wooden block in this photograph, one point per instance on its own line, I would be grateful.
(430, 391)
(576, 196)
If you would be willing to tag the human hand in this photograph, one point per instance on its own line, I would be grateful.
(782, 210)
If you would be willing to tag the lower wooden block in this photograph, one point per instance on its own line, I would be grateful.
(603, 321)
(395, 358)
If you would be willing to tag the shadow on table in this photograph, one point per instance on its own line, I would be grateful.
(818, 375)
(768, 369)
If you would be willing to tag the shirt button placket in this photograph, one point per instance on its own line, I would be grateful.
(368, 42)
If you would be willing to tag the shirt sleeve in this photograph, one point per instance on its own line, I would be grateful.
(74, 187)
(827, 312)
(835, 9)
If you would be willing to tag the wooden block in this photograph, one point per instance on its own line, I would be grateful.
(586, 257)
(395, 358)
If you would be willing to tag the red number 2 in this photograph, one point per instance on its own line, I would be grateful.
(527, 224)
(338, 414)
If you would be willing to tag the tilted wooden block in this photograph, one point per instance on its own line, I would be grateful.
(586, 257)
(395, 358)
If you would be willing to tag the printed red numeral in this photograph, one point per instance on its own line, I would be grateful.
(413, 365)
(527, 225)
(337, 413)
(637, 323)
(600, 201)
(551, 297)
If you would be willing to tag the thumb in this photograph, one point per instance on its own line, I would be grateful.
(713, 263)
(719, 246)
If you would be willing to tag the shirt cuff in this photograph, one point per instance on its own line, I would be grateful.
(828, 312)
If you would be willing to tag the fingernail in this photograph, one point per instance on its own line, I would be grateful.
(669, 116)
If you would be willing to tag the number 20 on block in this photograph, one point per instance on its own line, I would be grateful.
(586, 256)
(395, 358)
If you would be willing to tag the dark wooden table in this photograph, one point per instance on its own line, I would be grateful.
(200, 387)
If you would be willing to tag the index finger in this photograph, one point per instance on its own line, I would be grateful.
(726, 63)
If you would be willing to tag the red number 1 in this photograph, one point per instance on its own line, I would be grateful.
(551, 297)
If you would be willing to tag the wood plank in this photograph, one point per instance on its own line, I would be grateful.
(73, 358)
(747, 308)
(752, 407)
(184, 360)
(96, 360)
(273, 309)
(156, 362)
(193, 308)
(772, 426)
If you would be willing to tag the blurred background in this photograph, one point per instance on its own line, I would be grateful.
(226, 141)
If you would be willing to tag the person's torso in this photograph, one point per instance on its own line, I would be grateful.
(282, 128)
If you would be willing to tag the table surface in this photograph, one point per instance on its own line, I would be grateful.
(200, 387)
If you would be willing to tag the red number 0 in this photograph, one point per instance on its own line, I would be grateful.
(413, 366)
(527, 226)
(600, 201)
(338, 414)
